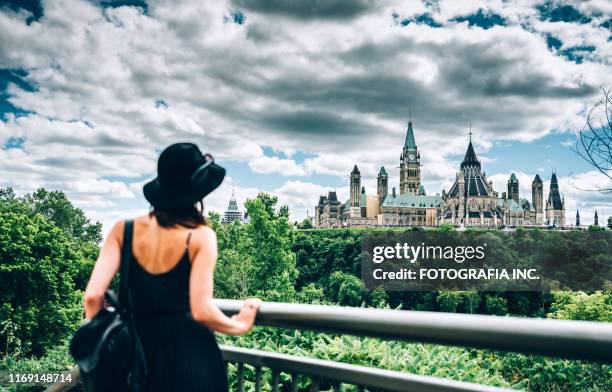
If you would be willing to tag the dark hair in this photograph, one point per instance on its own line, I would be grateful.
(191, 217)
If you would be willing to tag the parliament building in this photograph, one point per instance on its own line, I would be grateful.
(471, 200)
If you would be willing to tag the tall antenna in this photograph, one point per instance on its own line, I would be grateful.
(470, 133)
(409, 115)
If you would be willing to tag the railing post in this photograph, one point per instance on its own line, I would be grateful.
(336, 387)
(314, 387)
(294, 382)
(257, 379)
(275, 380)
(240, 377)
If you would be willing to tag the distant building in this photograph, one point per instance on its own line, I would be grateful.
(410, 165)
(409, 210)
(610, 222)
(555, 205)
(596, 220)
(411, 207)
(232, 213)
(328, 211)
(513, 188)
(537, 199)
(471, 201)
(577, 218)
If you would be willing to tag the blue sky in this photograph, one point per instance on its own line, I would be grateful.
(288, 96)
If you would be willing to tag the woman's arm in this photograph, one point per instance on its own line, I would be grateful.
(201, 286)
(105, 268)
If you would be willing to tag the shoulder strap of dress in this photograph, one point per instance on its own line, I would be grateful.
(125, 297)
(188, 239)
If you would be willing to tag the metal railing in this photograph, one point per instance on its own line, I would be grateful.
(583, 340)
(336, 373)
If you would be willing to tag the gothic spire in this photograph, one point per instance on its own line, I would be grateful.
(410, 143)
(470, 157)
(554, 198)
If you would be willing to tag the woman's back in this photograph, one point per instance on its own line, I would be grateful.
(181, 353)
(160, 269)
(158, 249)
(172, 256)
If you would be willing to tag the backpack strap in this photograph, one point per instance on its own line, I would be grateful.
(125, 295)
(139, 369)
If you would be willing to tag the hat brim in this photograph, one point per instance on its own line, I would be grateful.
(172, 199)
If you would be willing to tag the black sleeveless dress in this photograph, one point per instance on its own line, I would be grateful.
(182, 354)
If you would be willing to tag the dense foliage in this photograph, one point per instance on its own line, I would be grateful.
(45, 257)
(47, 247)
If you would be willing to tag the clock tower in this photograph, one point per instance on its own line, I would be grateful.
(410, 165)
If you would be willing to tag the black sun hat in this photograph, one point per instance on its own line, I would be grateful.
(184, 176)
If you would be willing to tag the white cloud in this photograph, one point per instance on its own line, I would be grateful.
(337, 89)
(269, 165)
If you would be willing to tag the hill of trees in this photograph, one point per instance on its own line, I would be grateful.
(48, 246)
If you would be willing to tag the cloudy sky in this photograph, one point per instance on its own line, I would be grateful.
(289, 95)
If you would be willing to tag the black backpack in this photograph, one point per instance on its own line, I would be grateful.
(107, 349)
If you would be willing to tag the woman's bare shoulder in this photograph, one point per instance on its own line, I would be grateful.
(116, 231)
(204, 234)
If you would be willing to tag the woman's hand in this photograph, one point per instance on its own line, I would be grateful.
(247, 314)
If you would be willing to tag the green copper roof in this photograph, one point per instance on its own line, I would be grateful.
(382, 171)
(410, 143)
(422, 191)
(412, 201)
(513, 178)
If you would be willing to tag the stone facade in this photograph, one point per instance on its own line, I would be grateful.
(410, 165)
(537, 199)
(328, 212)
(471, 201)
(555, 205)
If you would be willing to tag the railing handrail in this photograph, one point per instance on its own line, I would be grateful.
(584, 340)
(351, 374)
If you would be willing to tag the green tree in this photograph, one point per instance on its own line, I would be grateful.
(311, 294)
(55, 206)
(593, 228)
(270, 237)
(378, 298)
(449, 301)
(472, 301)
(38, 266)
(305, 224)
(569, 305)
(233, 272)
(496, 305)
(346, 289)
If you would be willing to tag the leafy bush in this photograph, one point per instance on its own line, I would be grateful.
(568, 305)
(38, 267)
(56, 359)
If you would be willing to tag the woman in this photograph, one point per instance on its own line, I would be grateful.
(172, 300)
